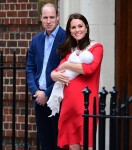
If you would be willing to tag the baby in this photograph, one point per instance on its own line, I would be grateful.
(57, 92)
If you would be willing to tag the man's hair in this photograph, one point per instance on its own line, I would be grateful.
(51, 5)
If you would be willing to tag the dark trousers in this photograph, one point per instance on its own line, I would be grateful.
(47, 128)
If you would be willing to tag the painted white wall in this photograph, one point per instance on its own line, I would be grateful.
(67, 7)
(101, 17)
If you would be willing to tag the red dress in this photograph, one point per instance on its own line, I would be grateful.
(70, 124)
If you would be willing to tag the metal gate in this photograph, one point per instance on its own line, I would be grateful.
(119, 116)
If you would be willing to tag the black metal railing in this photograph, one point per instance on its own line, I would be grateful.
(14, 66)
(119, 115)
(1, 99)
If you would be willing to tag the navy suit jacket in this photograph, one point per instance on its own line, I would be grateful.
(35, 61)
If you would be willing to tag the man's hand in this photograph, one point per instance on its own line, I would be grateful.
(41, 99)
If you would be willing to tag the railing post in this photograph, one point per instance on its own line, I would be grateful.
(26, 116)
(1, 99)
(118, 124)
(94, 124)
(14, 102)
(112, 133)
(102, 104)
(126, 125)
(86, 93)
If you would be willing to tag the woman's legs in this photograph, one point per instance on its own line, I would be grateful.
(90, 148)
(78, 147)
(75, 147)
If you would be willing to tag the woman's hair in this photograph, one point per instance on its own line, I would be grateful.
(70, 42)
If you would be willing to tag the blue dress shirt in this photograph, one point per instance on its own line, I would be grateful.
(49, 40)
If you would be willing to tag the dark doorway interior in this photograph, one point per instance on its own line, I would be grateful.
(123, 50)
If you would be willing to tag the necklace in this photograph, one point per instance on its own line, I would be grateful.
(87, 48)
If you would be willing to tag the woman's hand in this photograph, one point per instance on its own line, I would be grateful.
(63, 66)
(59, 76)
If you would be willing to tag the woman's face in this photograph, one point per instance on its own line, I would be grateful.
(78, 29)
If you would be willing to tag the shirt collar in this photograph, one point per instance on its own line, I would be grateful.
(54, 31)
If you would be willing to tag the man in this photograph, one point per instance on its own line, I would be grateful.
(42, 59)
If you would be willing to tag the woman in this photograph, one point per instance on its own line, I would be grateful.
(70, 125)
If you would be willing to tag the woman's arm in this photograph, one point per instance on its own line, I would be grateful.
(97, 51)
(72, 66)
(59, 76)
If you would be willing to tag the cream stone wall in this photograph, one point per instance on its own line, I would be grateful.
(101, 17)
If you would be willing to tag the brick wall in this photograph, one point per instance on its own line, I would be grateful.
(18, 23)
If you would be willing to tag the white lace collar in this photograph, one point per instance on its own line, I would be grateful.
(87, 48)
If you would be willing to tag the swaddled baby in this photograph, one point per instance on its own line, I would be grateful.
(57, 92)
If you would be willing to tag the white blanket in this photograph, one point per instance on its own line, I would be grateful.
(57, 92)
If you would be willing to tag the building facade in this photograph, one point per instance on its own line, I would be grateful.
(110, 24)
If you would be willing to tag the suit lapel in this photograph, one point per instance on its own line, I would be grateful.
(54, 47)
(41, 50)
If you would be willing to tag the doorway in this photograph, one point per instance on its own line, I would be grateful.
(123, 51)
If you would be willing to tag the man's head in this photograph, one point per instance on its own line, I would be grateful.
(49, 17)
